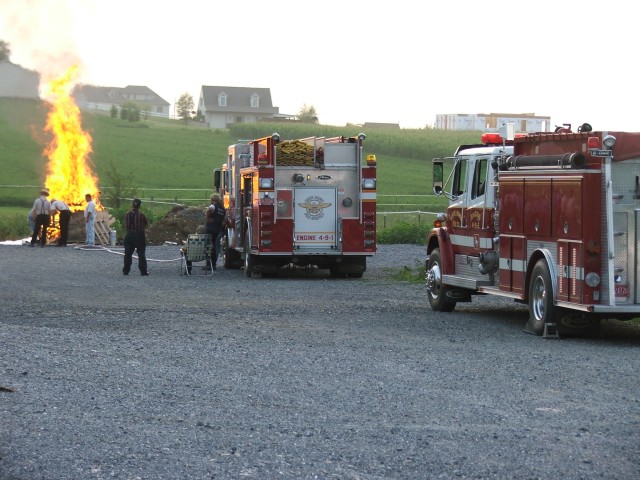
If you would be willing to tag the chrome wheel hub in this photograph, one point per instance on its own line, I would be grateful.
(434, 279)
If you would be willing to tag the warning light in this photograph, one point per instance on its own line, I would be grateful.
(593, 142)
(440, 220)
(491, 138)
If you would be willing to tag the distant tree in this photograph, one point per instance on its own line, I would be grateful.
(184, 107)
(121, 186)
(130, 111)
(5, 50)
(199, 116)
(114, 111)
(308, 114)
(134, 115)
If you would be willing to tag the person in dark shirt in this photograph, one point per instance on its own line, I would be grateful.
(135, 223)
(215, 226)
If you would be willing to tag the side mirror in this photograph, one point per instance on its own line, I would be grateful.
(438, 176)
(216, 179)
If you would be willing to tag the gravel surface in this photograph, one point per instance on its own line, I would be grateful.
(297, 377)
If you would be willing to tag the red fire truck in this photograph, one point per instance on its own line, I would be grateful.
(309, 201)
(548, 219)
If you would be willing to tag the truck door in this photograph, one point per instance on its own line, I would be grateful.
(459, 186)
(315, 226)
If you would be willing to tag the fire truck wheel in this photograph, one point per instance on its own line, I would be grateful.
(437, 292)
(541, 308)
(231, 259)
(335, 272)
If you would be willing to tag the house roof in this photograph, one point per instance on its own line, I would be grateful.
(9, 62)
(142, 90)
(96, 94)
(238, 99)
(93, 94)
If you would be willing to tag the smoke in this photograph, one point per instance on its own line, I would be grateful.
(43, 34)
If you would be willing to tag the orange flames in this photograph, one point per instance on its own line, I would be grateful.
(69, 175)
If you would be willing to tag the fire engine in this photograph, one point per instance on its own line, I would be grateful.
(304, 202)
(548, 219)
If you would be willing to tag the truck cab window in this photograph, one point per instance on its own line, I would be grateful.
(479, 178)
(459, 175)
(246, 191)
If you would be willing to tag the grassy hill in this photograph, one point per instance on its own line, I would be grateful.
(157, 154)
(168, 160)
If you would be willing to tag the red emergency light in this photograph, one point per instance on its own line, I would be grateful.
(593, 142)
(491, 138)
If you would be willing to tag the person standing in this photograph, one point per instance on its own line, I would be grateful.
(90, 219)
(64, 212)
(215, 226)
(40, 212)
(135, 223)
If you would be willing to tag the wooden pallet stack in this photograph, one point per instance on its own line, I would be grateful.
(103, 223)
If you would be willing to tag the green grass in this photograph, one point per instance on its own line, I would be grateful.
(415, 274)
(173, 162)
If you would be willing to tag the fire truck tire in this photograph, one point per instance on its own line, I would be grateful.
(541, 308)
(437, 292)
(335, 272)
(231, 259)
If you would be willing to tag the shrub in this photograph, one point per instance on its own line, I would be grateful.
(404, 233)
(14, 227)
(413, 275)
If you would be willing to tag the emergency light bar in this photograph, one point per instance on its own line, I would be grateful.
(492, 138)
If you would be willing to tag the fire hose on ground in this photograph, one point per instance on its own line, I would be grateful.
(100, 248)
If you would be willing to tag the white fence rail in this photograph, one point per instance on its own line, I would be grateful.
(200, 196)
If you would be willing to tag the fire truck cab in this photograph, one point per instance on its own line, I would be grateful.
(548, 219)
(303, 202)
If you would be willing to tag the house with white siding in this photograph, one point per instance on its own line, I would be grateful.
(488, 122)
(222, 106)
(91, 97)
(18, 82)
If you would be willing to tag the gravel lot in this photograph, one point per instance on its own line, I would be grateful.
(296, 377)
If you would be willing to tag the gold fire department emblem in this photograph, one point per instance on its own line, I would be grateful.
(314, 206)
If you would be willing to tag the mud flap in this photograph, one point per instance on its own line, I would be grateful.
(462, 296)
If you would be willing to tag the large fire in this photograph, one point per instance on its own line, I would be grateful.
(69, 174)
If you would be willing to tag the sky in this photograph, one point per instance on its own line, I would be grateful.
(354, 61)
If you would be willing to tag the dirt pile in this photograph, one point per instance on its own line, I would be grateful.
(176, 225)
